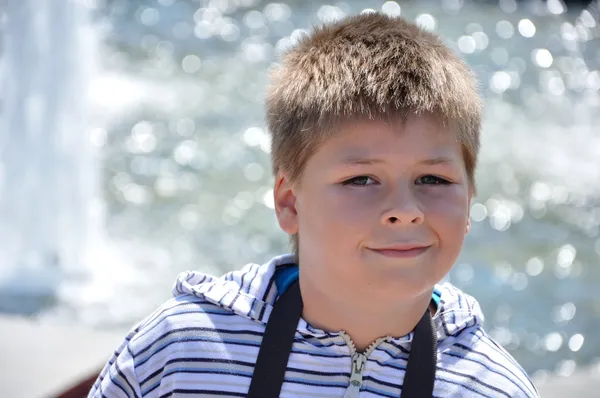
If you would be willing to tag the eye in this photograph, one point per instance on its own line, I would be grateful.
(432, 180)
(359, 181)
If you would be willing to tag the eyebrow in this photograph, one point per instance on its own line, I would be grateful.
(438, 160)
(371, 161)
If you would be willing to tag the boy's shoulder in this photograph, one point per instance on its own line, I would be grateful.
(469, 356)
(207, 309)
(202, 308)
(474, 355)
(182, 315)
(190, 331)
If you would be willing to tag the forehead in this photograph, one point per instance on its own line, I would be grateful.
(416, 136)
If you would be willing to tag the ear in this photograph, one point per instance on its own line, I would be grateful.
(284, 195)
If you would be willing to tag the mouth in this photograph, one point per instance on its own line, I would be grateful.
(401, 251)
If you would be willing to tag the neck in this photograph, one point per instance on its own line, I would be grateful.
(364, 318)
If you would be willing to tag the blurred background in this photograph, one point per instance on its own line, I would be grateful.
(133, 147)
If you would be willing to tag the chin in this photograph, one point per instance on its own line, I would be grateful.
(400, 279)
(402, 292)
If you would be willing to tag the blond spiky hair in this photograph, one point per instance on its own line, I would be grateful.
(369, 66)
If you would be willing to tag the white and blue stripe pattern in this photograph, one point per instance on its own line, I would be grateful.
(205, 341)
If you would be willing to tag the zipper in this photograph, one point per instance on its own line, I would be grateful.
(359, 361)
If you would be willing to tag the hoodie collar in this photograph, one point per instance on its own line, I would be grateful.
(252, 291)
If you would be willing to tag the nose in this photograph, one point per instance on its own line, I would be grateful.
(403, 208)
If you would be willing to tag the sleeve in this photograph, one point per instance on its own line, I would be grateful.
(118, 379)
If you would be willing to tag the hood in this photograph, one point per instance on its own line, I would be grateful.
(251, 292)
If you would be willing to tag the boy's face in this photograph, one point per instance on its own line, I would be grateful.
(379, 207)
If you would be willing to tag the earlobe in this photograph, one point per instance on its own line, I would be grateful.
(284, 196)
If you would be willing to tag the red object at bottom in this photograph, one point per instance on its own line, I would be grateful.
(81, 389)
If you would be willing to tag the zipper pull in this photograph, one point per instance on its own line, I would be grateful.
(358, 363)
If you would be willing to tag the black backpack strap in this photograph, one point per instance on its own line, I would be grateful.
(420, 369)
(276, 345)
(278, 339)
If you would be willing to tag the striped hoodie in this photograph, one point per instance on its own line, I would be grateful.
(205, 341)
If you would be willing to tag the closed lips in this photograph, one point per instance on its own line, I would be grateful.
(401, 247)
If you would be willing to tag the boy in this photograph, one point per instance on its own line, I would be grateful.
(375, 133)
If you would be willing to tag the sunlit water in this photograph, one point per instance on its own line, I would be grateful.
(178, 121)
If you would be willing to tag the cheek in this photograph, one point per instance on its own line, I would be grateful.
(349, 209)
(335, 213)
(450, 210)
